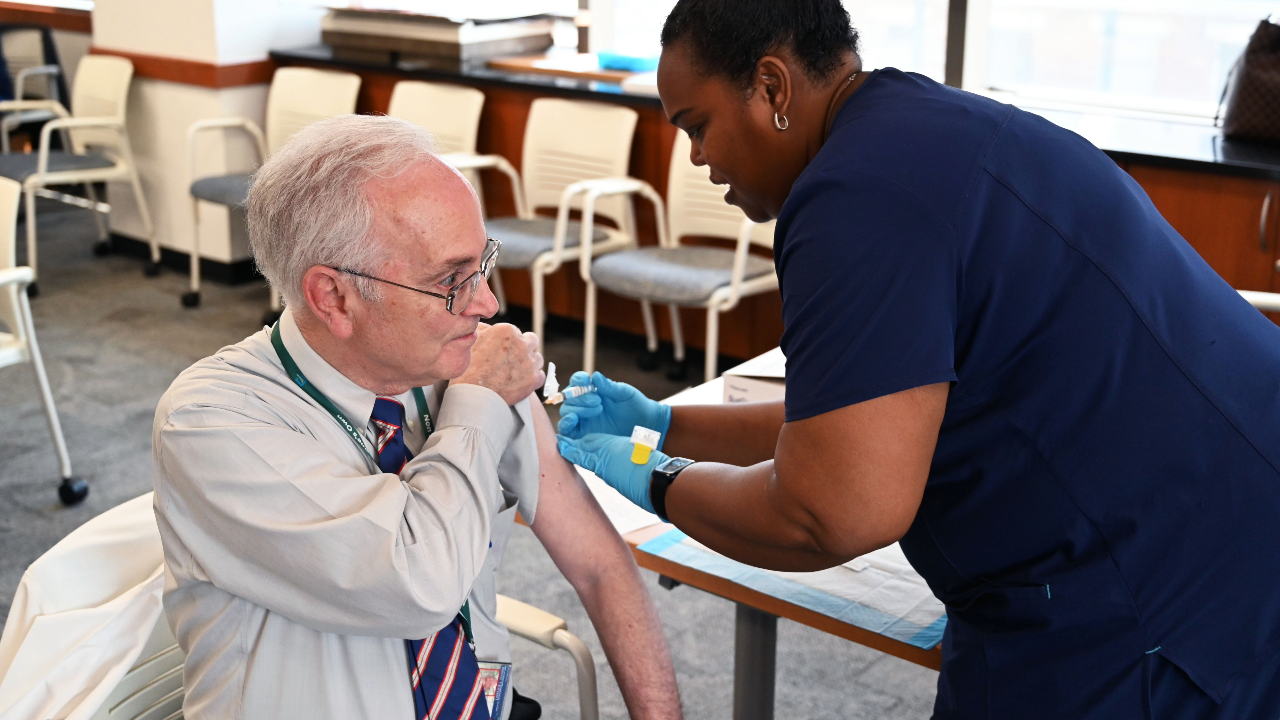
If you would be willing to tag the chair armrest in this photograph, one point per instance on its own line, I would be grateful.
(65, 123)
(242, 123)
(604, 187)
(529, 622)
(472, 161)
(20, 83)
(18, 105)
(22, 276)
(1262, 300)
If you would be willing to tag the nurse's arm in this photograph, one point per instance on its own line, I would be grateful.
(842, 484)
(737, 433)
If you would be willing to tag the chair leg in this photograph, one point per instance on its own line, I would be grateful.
(73, 489)
(648, 359)
(495, 284)
(589, 336)
(91, 193)
(30, 200)
(678, 369)
(192, 299)
(153, 268)
(712, 369)
(271, 316)
(588, 702)
(539, 303)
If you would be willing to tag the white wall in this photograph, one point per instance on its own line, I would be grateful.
(223, 32)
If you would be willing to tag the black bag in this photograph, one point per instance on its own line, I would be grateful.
(1252, 93)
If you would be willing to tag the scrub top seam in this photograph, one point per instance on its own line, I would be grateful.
(1146, 323)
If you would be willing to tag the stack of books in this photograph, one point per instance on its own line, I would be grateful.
(431, 35)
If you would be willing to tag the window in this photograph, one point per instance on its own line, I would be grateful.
(1169, 56)
(909, 35)
(906, 34)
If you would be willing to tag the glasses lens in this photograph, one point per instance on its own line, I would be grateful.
(461, 296)
(490, 260)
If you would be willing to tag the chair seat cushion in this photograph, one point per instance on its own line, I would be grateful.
(229, 190)
(525, 240)
(672, 276)
(22, 166)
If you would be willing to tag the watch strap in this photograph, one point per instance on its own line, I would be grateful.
(659, 481)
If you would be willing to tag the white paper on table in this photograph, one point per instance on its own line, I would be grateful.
(886, 583)
(624, 514)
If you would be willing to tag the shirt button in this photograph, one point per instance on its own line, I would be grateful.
(411, 428)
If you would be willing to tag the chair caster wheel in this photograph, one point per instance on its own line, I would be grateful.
(152, 269)
(647, 360)
(191, 299)
(33, 290)
(678, 370)
(270, 317)
(72, 490)
(102, 248)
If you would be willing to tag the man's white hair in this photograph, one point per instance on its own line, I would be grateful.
(308, 204)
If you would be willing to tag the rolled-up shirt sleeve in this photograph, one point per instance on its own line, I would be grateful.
(274, 515)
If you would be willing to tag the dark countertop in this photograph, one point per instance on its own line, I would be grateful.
(322, 55)
(1181, 146)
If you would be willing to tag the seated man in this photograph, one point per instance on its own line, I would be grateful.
(335, 493)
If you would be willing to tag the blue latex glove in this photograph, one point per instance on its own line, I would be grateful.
(609, 457)
(614, 409)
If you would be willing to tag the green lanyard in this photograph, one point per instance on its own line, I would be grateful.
(295, 374)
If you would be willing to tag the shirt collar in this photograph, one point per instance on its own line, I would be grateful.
(354, 401)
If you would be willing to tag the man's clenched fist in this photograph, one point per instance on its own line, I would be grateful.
(505, 361)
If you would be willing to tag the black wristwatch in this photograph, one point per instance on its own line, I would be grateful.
(661, 479)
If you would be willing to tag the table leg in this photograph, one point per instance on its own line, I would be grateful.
(755, 654)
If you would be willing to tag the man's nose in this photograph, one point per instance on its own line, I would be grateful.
(485, 303)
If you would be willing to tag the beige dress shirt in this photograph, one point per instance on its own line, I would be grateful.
(295, 568)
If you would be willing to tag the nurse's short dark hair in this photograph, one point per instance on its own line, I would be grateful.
(728, 37)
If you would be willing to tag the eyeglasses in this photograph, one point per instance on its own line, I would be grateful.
(459, 297)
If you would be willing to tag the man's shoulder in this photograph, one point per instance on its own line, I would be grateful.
(239, 377)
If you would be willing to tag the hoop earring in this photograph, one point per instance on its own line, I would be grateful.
(783, 124)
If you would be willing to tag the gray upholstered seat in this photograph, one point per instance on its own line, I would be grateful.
(229, 190)
(672, 276)
(524, 240)
(21, 167)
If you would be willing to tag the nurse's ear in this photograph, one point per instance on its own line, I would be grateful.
(772, 85)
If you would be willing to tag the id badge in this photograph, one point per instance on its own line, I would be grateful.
(494, 677)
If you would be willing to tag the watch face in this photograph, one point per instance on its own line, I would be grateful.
(675, 465)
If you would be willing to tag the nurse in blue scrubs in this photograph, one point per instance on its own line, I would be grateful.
(999, 355)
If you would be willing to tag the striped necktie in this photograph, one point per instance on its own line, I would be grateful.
(442, 668)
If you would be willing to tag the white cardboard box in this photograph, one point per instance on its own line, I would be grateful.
(760, 379)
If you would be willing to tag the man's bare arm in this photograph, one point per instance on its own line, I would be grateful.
(599, 565)
(736, 434)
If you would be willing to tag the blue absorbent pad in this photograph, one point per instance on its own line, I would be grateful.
(878, 592)
(628, 63)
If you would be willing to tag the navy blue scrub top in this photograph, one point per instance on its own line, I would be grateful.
(1106, 482)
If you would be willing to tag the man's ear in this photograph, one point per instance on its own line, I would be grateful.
(773, 83)
(330, 298)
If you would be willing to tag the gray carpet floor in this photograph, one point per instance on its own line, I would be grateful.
(114, 340)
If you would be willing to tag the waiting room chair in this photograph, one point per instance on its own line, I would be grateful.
(1265, 301)
(678, 275)
(452, 114)
(298, 97)
(565, 142)
(86, 631)
(30, 55)
(18, 338)
(551, 632)
(99, 151)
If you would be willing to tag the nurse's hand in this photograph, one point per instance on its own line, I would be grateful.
(614, 409)
(609, 457)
